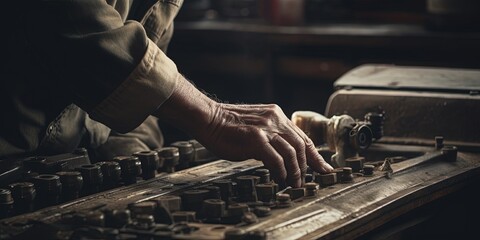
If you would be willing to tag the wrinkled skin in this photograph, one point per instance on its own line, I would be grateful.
(239, 132)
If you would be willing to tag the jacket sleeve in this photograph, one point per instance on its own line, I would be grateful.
(109, 67)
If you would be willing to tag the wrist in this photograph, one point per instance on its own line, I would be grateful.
(188, 109)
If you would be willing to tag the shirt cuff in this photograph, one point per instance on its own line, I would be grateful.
(150, 84)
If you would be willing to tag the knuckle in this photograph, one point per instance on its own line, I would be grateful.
(296, 174)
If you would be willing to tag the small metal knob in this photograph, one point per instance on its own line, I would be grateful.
(150, 162)
(170, 157)
(131, 168)
(72, 183)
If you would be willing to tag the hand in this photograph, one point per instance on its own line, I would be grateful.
(263, 132)
(238, 132)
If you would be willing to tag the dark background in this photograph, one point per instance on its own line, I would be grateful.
(290, 52)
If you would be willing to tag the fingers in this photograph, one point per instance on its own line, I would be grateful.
(289, 157)
(315, 160)
(274, 162)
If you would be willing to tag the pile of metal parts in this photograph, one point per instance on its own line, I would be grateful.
(180, 192)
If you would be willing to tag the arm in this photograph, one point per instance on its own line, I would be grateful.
(239, 132)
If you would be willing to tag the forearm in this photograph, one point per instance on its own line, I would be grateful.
(188, 109)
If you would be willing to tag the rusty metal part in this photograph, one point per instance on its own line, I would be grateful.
(375, 121)
(450, 153)
(23, 194)
(386, 166)
(262, 211)
(342, 134)
(264, 175)
(186, 153)
(311, 189)
(439, 142)
(111, 173)
(237, 209)
(184, 216)
(296, 193)
(249, 218)
(192, 199)
(346, 175)
(265, 192)
(48, 188)
(170, 158)
(283, 200)
(142, 208)
(213, 192)
(368, 170)
(327, 179)
(225, 186)
(150, 163)
(246, 188)
(308, 177)
(144, 221)
(72, 183)
(117, 218)
(131, 168)
(213, 208)
(92, 178)
(170, 202)
(6, 203)
(356, 163)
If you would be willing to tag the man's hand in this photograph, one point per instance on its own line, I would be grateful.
(239, 132)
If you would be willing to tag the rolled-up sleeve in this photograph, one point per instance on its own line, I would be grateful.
(138, 96)
(108, 67)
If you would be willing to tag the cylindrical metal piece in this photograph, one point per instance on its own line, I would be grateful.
(237, 210)
(264, 175)
(450, 153)
(246, 188)
(283, 200)
(356, 163)
(265, 192)
(48, 188)
(368, 170)
(225, 186)
(375, 122)
(213, 192)
(131, 168)
(192, 199)
(262, 211)
(296, 193)
(186, 153)
(72, 183)
(144, 221)
(111, 173)
(346, 175)
(170, 202)
(308, 177)
(23, 194)
(6, 203)
(184, 216)
(311, 189)
(327, 179)
(213, 208)
(92, 178)
(170, 158)
(150, 163)
(95, 218)
(142, 208)
(117, 218)
(439, 142)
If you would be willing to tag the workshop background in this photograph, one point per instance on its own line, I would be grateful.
(290, 52)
